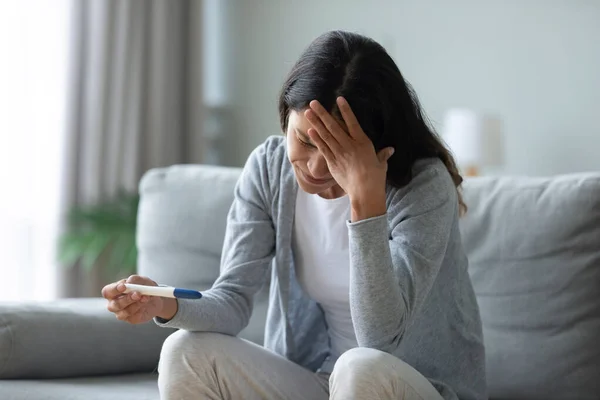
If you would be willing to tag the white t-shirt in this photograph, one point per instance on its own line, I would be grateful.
(322, 262)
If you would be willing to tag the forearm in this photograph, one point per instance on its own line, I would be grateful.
(378, 305)
(226, 307)
(395, 259)
(216, 311)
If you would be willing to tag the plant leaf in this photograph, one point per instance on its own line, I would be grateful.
(108, 226)
(94, 250)
(131, 260)
(119, 251)
(71, 248)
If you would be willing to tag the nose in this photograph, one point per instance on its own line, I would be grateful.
(317, 166)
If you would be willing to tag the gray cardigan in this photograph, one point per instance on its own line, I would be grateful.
(410, 293)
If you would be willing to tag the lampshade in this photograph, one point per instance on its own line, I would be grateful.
(475, 140)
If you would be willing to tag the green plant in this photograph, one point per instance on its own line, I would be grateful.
(104, 230)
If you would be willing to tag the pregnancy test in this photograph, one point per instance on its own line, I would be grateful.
(163, 291)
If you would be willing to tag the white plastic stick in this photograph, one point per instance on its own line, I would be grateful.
(160, 291)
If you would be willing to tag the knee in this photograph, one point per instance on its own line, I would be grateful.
(361, 364)
(174, 349)
(180, 344)
(184, 353)
(174, 345)
(363, 373)
(173, 354)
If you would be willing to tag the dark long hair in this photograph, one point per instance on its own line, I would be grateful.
(347, 64)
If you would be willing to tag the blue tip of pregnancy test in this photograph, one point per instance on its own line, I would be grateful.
(187, 294)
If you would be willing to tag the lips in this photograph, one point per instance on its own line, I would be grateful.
(314, 181)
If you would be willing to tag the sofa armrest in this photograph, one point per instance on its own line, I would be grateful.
(73, 337)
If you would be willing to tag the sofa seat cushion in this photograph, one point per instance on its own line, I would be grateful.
(73, 337)
(129, 386)
(534, 251)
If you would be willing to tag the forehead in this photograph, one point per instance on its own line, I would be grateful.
(297, 121)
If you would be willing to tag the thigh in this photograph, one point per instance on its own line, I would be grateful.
(244, 370)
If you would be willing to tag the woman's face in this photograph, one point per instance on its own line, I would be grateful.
(309, 164)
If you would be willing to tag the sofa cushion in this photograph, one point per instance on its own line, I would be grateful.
(73, 337)
(181, 223)
(129, 386)
(534, 251)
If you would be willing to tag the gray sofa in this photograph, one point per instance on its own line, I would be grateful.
(534, 250)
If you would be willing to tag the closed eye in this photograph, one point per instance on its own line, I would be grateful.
(306, 144)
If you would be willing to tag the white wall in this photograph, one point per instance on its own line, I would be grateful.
(534, 63)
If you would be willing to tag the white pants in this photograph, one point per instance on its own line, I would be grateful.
(213, 366)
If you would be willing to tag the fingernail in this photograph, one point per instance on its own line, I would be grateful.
(392, 152)
(144, 299)
(121, 287)
(135, 296)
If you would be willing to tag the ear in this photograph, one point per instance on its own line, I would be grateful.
(385, 154)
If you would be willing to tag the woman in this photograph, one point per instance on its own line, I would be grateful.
(356, 209)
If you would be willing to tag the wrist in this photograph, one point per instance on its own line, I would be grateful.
(168, 309)
(368, 205)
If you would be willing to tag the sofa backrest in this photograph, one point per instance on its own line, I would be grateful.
(181, 223)
(534, 252)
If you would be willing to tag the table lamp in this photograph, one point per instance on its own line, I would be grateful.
(475, 140)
